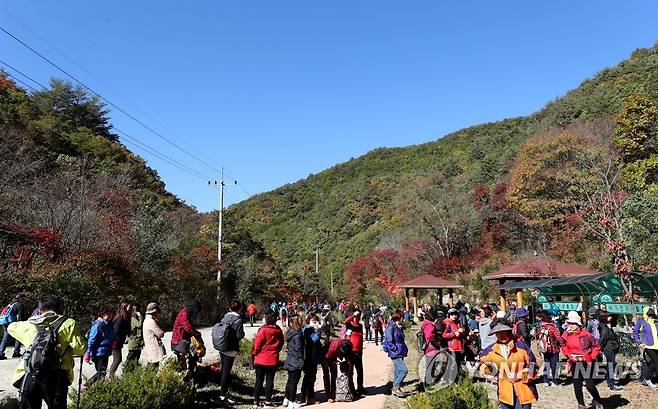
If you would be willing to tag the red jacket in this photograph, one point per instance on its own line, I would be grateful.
(453, 336)
(580, 343)
(183, 328)
(357, 333)
(267, 345)
(431, 337)
(333, 352)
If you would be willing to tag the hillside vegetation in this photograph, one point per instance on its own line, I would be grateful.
(382, 198)
(83, 217)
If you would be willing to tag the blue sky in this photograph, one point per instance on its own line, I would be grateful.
(276, 90)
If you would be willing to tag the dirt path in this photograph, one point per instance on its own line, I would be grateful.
(376, 375)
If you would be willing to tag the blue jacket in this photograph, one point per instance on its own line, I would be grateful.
(394, 341)
(313, 354)
(101, 336)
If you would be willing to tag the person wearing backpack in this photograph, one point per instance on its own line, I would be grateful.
(10, 314)
(397, 350)
(51, 340)
(154, 350)
(549, 343)
(265, 356)
(294, 361)
(377, 323)
(99, 344)
(610, 345)
(136, 337)
(226, 337)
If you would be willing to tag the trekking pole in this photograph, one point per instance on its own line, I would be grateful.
(82, 360)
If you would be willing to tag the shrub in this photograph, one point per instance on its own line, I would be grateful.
(462, 395)
(140, 388)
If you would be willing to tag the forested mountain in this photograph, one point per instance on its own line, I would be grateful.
(82, 216)
(446, 206)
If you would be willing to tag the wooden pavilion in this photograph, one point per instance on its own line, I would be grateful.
(428, 282)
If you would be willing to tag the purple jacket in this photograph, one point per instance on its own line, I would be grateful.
(394, 340)
(643, 333)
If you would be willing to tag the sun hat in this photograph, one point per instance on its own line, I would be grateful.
(152, 308)
(522, 312)
(574, 318)
(500, 327)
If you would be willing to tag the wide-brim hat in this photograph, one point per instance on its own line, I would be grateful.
(574, 318)
(500, 327)
(152, 308)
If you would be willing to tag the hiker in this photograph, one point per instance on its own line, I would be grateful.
(136, 337)
(226, 337)
(487, 315)
(367, 315)
(355, 330)
(521, 328)
(593, 322)
(397, 350)
(377, 323)
(183, 329)
(549, 343)
(313, 355)
(121, 331)
(582, 350)
(294, 361)
(645, 334)
(51, 387)
(99, 345)
(10, 314)
(251, 310)
(610, 345)
(337, 349)
(154, 350)
(454, 334)
(267, 346)
(283, 315)
(515, 365)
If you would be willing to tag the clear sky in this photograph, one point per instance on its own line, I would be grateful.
(275, 90)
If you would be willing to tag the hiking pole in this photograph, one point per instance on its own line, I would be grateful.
(82, 360)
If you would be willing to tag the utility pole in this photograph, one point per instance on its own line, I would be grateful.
(220, 222)
(317, 269)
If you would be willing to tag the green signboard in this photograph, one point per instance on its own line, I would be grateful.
(612, 307)
(624, 308)
(563, 306)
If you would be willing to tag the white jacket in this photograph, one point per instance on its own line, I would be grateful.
(154, 350)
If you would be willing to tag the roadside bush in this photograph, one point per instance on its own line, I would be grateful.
(140, 388)
(462, 395)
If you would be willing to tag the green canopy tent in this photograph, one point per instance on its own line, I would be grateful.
(600, 288)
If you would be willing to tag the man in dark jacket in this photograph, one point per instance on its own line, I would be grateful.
(232, 323)
(610, 345)
(367, 314)
(522, 327)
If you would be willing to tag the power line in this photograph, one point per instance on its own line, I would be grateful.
(51, 45)
(23, 74)
(21, 82)
(126, 137)
(106, 100)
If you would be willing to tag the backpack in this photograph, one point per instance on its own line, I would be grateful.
(7, 316)
(44, 357)
(421, 342)
(613, 343)
(544, 340)
(220, 332)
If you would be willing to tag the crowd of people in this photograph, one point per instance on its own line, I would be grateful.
(331, 339)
